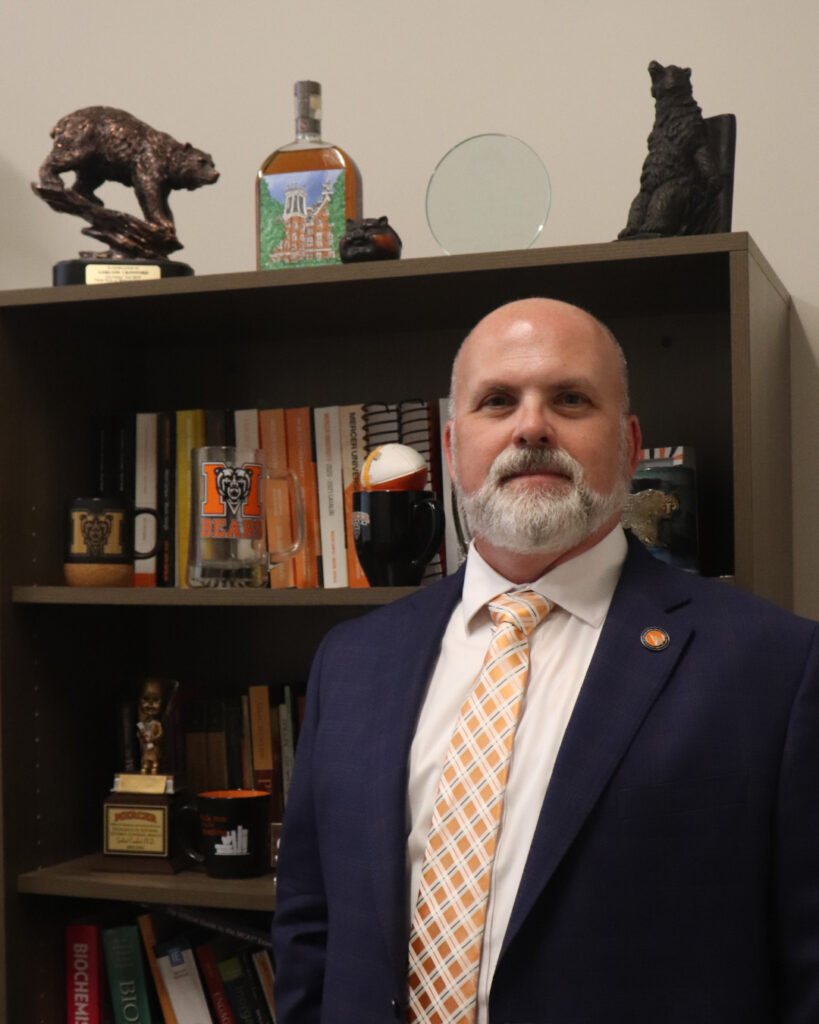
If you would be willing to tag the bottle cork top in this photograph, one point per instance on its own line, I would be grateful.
(308, 107)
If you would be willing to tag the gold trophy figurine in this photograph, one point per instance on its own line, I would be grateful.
(149, 726)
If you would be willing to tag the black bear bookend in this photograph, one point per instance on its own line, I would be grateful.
(687, 182)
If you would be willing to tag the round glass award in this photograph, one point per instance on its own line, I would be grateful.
(490, 192)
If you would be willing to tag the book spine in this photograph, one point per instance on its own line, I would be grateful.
(288, 744)
(126, 977)
(330, 496)
(83, 974)
(146, 928)
(166, 498)
(216, 742)
(264, 972)
(145, 496)
(261, 737)
(219, 1002)
(238, 992)
(351, 433)
(177, 966)
(190, 433)
(233, 744)
(279, 523)
(254, 986)
(246, 428)
(301, 459)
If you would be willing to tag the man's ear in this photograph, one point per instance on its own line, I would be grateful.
(634, 440)
(448, 444)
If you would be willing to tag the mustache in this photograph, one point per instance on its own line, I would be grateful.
(534, 460)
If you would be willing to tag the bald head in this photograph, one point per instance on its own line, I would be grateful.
(549, 315)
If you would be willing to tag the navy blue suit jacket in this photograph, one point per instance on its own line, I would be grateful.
(674, 874)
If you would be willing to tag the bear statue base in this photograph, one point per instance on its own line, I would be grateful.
(100, 268)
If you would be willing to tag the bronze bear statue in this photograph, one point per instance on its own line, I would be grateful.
(681, 176)
(106, 144)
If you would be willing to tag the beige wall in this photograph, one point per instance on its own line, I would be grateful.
(405, 81)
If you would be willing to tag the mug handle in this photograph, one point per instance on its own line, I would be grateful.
(148, 512)
(296, 496)
(188, 825)
(434, 511)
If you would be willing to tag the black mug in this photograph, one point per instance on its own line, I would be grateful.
(99, 547)
(228, 830)
(396, 534)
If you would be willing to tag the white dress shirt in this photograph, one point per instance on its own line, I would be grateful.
(561, 648)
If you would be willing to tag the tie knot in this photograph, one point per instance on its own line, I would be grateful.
(524, 609)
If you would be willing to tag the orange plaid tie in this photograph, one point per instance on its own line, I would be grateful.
(446, 935)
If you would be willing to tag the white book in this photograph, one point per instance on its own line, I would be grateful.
(330, 496)
(145, 496)
(246, 428)
(177, 966)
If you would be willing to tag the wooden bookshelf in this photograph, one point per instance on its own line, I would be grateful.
(703, 321)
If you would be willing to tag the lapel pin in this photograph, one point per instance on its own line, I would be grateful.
(655, 639)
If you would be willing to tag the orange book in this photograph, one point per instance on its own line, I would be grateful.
(301, 459)
(279, 526)
(146, 927)
(190, 433)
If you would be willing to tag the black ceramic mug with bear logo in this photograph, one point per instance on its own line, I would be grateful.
(99, 548)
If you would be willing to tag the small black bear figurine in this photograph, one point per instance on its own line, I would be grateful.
(369, 239)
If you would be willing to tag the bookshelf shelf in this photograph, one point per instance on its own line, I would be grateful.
(78, 879)
(146, 597)
(704, 325)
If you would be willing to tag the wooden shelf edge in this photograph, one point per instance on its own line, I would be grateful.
(176, 596)
(77, 879)
(251, 280)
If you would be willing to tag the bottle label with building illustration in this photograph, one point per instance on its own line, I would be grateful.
(302, 218)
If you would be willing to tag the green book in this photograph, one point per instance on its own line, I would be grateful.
(126, 975)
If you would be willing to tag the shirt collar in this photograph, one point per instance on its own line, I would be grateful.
(583, 585)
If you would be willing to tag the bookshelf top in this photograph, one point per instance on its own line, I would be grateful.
(398, 270)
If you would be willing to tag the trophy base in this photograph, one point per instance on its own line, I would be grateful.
(140, 829)
(110, 270)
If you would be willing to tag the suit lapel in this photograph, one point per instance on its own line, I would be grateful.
(408, 657)
(623, 681)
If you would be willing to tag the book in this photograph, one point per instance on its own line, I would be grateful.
(216, 744)
(255, 989)
(353, 453)
(287, 740)
(236, 983)
(233, 744)
(177, 966)
(84, 974)
(145, 923)
(330, 493)
(195, 719)
(190, 434)
(126, 975)
(219, 427)
(214, 986)
(301, 459)
(279, 521)
(128, 755)
(246, 428)
(261, 738)
(145, 496)
(166, 498)
(247, 744)
(267, 979)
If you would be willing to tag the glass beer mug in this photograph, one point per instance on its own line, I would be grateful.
(246, 517)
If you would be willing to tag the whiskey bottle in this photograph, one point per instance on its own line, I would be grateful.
(305, 192)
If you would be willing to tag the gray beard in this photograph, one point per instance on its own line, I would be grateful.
(538, 521)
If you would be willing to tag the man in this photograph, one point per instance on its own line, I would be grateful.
(656, 858)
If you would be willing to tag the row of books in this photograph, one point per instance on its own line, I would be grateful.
(158, 968)
(243, 742)
(149, 459)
